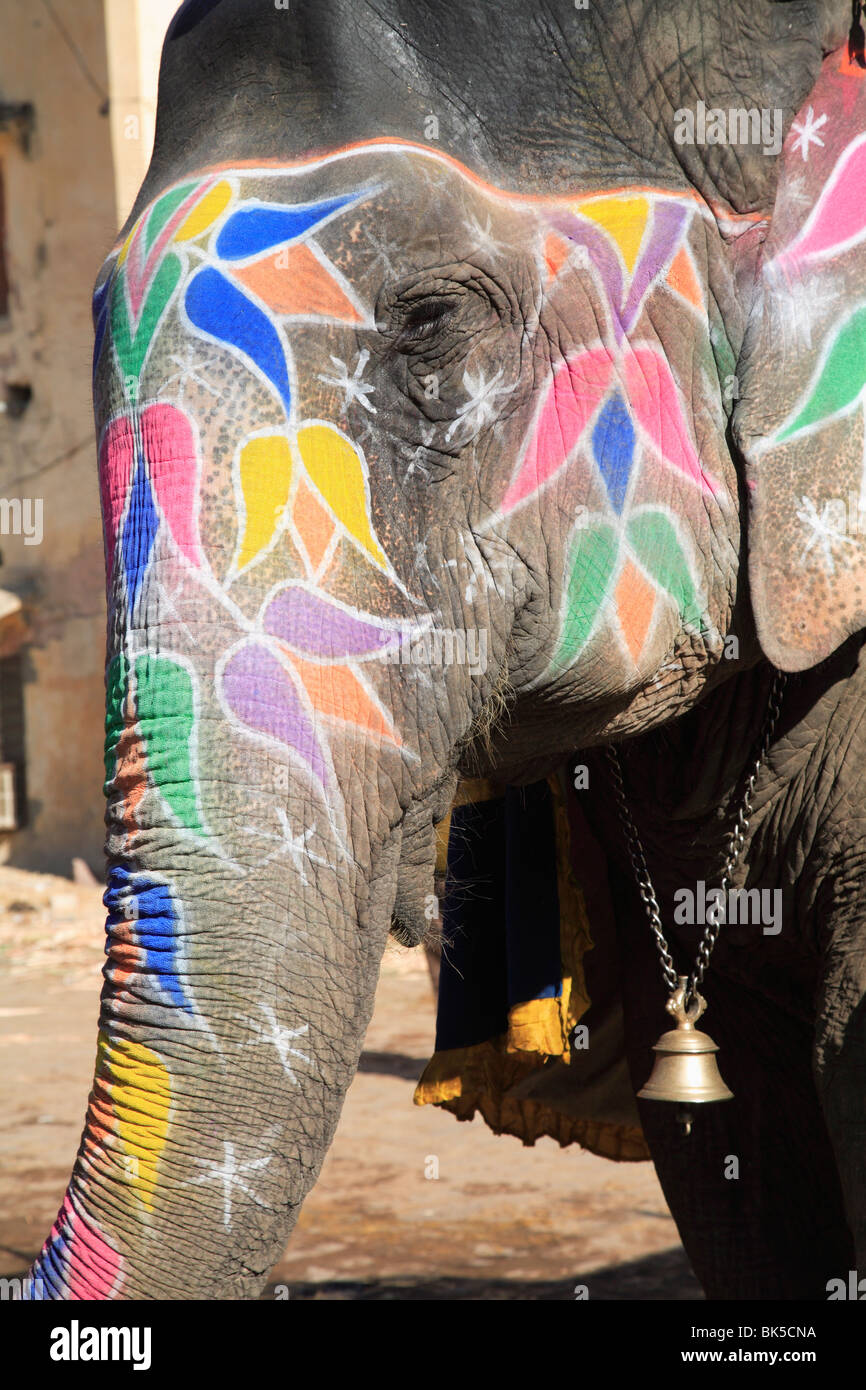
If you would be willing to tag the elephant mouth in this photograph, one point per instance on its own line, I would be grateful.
(416, 917)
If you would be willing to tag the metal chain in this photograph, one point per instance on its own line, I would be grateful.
(736, 842)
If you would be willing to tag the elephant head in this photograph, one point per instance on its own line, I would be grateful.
(401, 426)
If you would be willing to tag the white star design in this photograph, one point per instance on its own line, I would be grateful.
(823, 532)
(385, 251)
(480, 407)
(807, 132)
(802, 307)
(417, 452)
(365, 434)
(293, 845)
(482, 237)
(421, 563)
(167, 608)
(281, 1038)
(351, 386)
(229, 1174)
(188, 371)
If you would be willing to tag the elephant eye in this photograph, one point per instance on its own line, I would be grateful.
(422, 319)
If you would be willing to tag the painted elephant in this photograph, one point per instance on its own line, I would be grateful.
(475, 384)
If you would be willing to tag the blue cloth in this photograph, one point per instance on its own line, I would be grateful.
(501, 918)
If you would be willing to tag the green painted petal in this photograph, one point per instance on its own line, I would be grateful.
(166, 720)
(655, 542)
(591, 565)
(132, 348)
(163, 210)
(841, 379)
(116, 687)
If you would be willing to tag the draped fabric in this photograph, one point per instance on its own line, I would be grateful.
(512, 985)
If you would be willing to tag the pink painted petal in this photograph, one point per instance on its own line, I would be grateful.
(141, 264)
(839, 217)
(94, 1267)
(76, 1261)
(133, 269)
(578, 385)
(169, 446)
(655, 401)
(116, 457)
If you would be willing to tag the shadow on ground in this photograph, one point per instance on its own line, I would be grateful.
(393, 1064)
(664, 1277)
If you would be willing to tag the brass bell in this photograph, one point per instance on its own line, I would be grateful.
(685, 1068)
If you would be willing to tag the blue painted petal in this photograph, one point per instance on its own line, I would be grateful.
(613, 447)
(251, 231)
(100, 318)
(101, 323)
(151, 911)
(100, 297)
(139, 533)
(217, 307)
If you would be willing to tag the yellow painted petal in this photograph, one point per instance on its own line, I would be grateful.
(335, 468)
(624, 219)
(206, 211)
(124, 250)
(265, 472)
(138, 1082)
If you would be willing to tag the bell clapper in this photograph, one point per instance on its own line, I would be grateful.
(684, 1120)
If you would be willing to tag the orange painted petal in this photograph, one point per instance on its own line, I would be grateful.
(336, 691)
(682, 278)
(635, 601)
(556, 253)
(100, 1134)
(314, 524)
(849, 66)
(126, 956)
(131, 774)
(293, 282)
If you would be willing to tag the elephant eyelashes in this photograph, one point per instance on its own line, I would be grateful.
(422, 320)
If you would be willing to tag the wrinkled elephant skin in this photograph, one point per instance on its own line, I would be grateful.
(410, 411)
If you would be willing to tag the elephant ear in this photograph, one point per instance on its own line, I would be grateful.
(800, 421)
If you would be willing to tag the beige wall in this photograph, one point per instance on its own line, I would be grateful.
(134, 33)
(65, 199)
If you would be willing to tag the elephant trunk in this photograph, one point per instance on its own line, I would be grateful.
(237, 993)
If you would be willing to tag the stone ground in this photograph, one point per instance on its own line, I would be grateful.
(500, 1222)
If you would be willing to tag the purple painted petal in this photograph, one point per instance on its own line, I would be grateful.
(262, 694)
(667, 229)
(584, 233)
(316, 627)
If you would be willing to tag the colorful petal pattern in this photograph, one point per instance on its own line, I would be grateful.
(840, 381)
(76, 1262)
(252, 230)
(591, 566)
(144, 913)
(131, 1099)
(613, 444)
(654, 539)
(313, 625)
(335, 466)
(165, 707)
(261, 692)
(838, 220)
(217, 307)
(265, 480)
